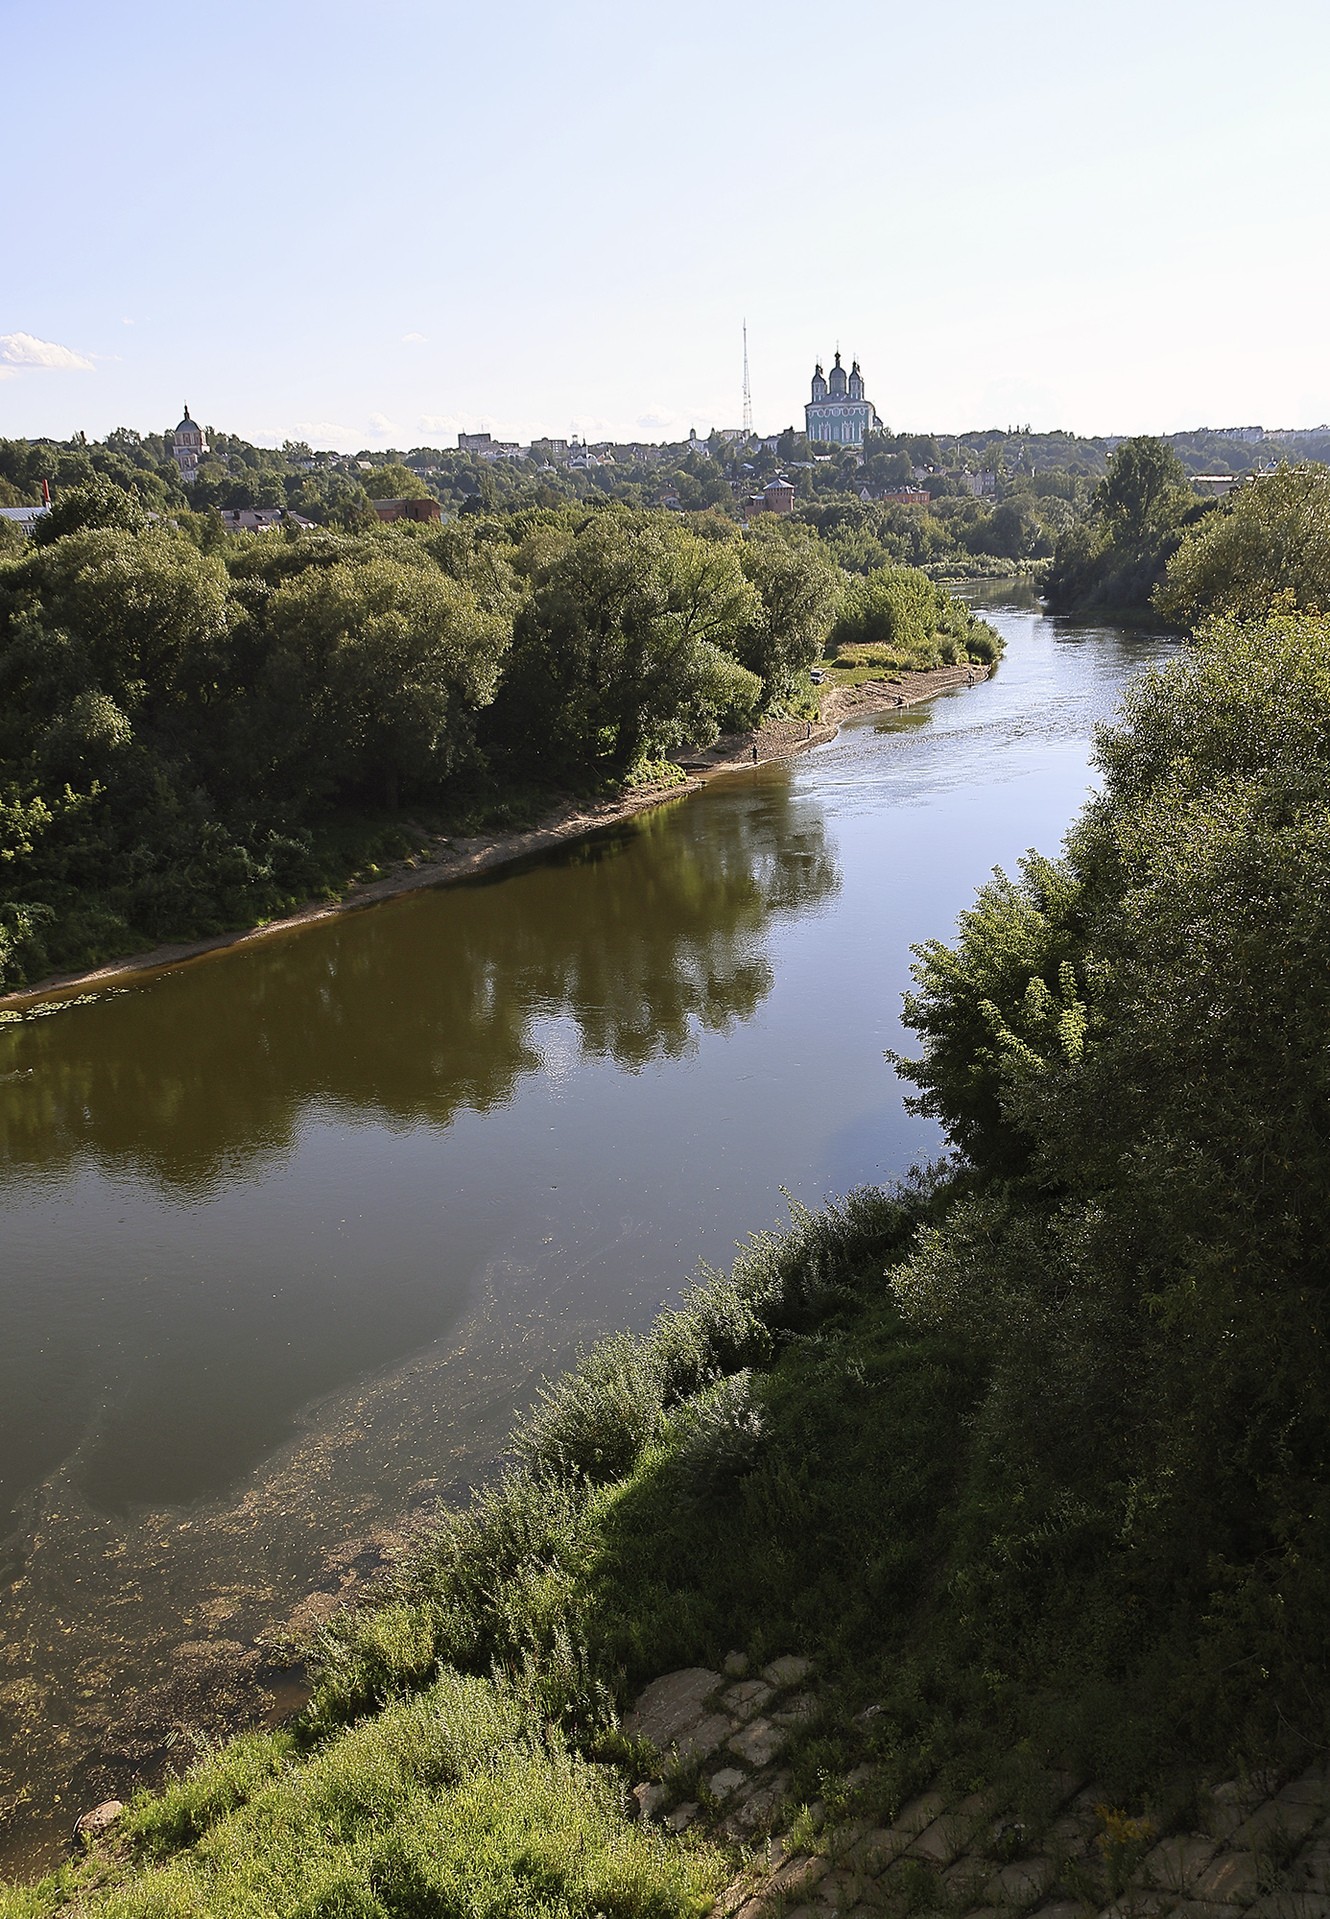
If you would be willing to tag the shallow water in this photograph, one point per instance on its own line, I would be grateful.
(290, 1232)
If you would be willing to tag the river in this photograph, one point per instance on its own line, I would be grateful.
(289, 1233)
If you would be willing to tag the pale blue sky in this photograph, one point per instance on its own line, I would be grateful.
(372, 223)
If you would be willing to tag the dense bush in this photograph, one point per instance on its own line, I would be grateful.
(909, 620)
(1128, 1045)
(192, 740)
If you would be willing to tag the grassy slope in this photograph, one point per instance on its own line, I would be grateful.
(781, 1465)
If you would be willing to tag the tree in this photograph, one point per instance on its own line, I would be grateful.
(613, 656)
(1143, 492)
(93, 502)
(377, 669)
(1266, 546)
(395, 482)
(798, 590)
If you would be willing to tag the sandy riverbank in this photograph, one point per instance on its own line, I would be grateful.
(456, 858)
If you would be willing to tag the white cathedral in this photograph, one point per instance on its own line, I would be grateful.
(838, 414)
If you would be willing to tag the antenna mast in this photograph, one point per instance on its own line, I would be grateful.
(748, 391)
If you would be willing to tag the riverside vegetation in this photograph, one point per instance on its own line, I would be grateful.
(1031, 1455)
(196, 740)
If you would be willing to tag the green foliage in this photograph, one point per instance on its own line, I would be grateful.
(913, 621)
(93, 503)
(796, 595)
(1264, 549)
(454, 1801)
(1116, 559)
(393, 481)
(1127, 1043)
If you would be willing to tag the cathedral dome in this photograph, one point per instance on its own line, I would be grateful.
(187, 425)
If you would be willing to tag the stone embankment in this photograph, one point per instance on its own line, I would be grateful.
(1053, 1848)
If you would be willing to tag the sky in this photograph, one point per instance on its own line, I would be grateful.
(376, 224)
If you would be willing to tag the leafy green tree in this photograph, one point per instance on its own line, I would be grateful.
(608, 665)
(798, 590)
(93, 502)
(394, 481)
(377, 669)
(1266, 547)
(1143, 492)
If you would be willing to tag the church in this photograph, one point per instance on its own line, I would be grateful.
(838, 414)
(189, 446)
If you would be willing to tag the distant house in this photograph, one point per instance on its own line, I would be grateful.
(777, 496)
(906, 496)
(474, 442)
(982, 485)
(407, 509)
(261, 519)
(25, 517)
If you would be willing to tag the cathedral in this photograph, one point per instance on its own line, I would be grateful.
(838, 414)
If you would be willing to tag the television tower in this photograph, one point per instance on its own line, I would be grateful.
(748, 391)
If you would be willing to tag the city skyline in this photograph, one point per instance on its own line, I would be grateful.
(372, 233)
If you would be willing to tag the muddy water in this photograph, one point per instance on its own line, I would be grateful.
(288, 1234)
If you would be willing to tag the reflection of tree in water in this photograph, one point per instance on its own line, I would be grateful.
(422, 1008)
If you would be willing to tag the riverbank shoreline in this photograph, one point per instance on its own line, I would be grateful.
(570, 820)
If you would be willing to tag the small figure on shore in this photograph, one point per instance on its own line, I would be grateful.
(899, 700)
(809, 734)
(754, 756)
(969, 677)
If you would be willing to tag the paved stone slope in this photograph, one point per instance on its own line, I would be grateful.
(1260, 1848)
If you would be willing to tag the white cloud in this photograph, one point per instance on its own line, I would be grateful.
(414, 339)
(314, 432)
(381, 427)
(443, 422)
(25, 349)
(8, 373)
(125, 320)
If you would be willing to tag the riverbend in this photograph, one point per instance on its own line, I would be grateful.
(292, 1233)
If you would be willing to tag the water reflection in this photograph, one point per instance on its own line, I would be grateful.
(415, 1010)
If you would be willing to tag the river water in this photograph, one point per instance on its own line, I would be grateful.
(288, 1234)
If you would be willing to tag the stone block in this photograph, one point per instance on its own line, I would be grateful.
(794, 1711)
(1310, 1871)
(920, 1812)
(1277, 1822)
(736, 1665)
(671, 1705)
(650, 1798)
(1177, 1863)
(1233, 1879)
(1022, 1883)
(758, 1743)
(760, 1801)
(749, 1696)
(721, 1784)
(943, 1841)
(1312, 1789)
(1288, 1905)
(799, 1874)
(879, 1846)
(682, 1816)
(787, 1671)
